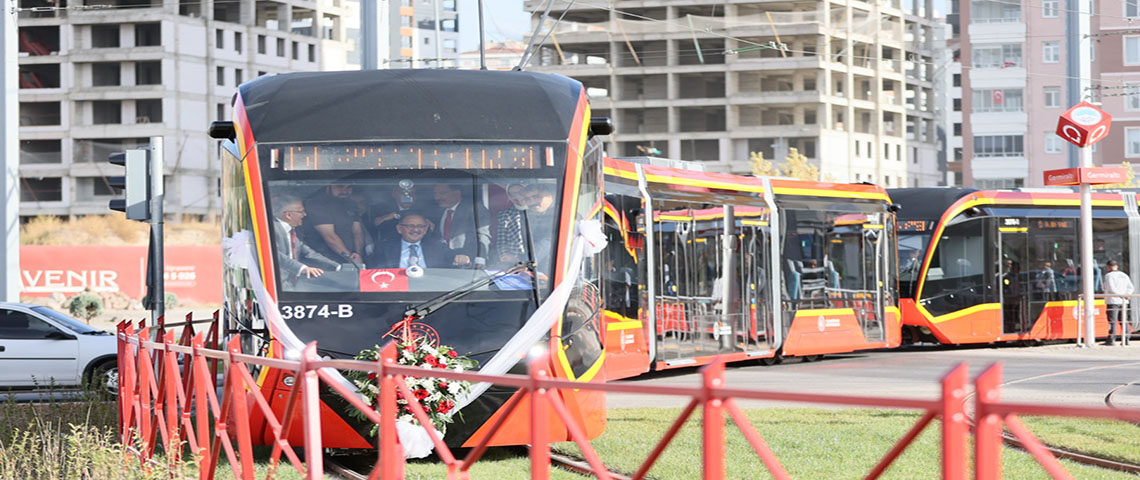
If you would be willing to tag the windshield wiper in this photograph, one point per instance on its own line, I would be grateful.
(530, 258)
(415, 312)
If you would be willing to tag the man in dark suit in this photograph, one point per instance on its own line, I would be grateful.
(295, 258)
(463, 225)
(411, 248)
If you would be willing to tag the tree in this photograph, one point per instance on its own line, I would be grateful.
(795, 165)
(1131, 182)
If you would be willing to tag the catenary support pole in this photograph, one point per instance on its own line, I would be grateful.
(10, 160)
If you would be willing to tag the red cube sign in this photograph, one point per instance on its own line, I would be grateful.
(1084, 124)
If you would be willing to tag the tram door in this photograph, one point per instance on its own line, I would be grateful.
(755, 270)
(1014, 275)
(875, 245)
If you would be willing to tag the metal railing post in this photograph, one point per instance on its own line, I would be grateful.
(713, 438)
(539, 424)
(391, 456)
(311, 413)
(954, 427)
(987, 425)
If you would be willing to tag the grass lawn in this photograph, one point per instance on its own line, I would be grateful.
(1113, 439)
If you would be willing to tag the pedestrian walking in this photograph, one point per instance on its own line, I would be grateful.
(1116, 282)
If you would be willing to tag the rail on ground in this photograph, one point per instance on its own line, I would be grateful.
(168, 399)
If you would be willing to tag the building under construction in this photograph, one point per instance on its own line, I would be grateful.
(849, 84)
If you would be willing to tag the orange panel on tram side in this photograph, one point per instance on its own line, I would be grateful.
(816, 333)
(627, 353)
(892, 321)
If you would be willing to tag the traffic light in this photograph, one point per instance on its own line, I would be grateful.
(135, 184)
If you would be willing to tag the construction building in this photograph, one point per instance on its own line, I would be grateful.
(846, 83)
(97, 79)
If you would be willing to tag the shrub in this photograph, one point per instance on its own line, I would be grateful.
(170, 303)
(86, 305)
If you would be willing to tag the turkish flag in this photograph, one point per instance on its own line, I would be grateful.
(383, 280)
(999, 97)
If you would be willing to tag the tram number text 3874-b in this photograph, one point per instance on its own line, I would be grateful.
(299, 312)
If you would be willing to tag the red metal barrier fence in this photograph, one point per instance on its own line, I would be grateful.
(159, 401)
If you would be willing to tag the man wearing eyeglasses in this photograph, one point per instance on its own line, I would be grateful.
(296, 259)
(411, 249)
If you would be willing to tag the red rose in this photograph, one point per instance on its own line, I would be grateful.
(443, 385)
(420, 393)
(372, 376)
(430, 359)
(445, 406)
(452, 354)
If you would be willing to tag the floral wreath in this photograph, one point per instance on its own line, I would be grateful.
(437, 396)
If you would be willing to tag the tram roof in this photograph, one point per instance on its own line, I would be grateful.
(926, 203)
(410, 104)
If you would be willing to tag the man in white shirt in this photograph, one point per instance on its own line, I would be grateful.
(1116, 282)
(295, 258)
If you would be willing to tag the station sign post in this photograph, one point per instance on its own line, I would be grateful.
(1084, 125)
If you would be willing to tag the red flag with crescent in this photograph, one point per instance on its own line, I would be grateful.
(383, 280)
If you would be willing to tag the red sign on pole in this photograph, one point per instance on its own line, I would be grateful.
(1084, 125)
(1092, 176)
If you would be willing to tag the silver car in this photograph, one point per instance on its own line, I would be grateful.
(40, 347)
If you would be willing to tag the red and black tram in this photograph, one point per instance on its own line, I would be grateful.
(352, 150)
(994, 266)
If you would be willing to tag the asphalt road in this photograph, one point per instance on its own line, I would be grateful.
(1056, 374)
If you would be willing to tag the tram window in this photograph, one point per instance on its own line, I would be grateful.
(1110, 242)
(380, 203)
(956, 279)
(1053, 247)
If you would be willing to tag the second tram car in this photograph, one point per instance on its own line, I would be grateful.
(991, 266)
(701, 264)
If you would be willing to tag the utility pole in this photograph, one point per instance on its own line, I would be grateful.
(158, 286)
(1084, 75)
(369, 36)
(10, 159)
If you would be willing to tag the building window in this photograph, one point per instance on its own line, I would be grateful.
(148, 111)
(312, 53)
(148, 34)
(405, 20)
(448, 25)
(237, 42)
(105, 36)
(1052, 97)
(238, 76)
(280, 47)
(995, 11)
(1132, 96)
(220, 39)
(1131, 8)
(1050, 52)
(449, 45)
(1052, 143)
(957, 104)
(261, 44)
(997, 100)
(41, 189)
(1132, 141)
(40, 152)
(221, 113)
(296, 50)
(957, 129)
(957, 79)
(886, 151)
(958, 154)
(999, 146)
(1049, 8)
(998, 183)
(105, 74)
(148, 73)
(449, 5)
(105, 112)
(1132, 50)
(220, 74)
(997, 56)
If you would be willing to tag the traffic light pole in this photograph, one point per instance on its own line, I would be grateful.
(158, 290)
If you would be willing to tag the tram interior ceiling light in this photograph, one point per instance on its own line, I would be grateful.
(222, 130)
(601, 126)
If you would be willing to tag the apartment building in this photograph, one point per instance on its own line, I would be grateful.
(1016, 88)
(423, 34)
(847, 83)
(94, 81)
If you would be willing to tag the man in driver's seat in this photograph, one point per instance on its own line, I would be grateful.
(410, 249)
(297, 259)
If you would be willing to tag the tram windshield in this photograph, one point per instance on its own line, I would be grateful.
(397, 217)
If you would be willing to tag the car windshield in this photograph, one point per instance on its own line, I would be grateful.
(71, 323)
(388, 218)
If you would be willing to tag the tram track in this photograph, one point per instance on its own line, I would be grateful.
(337, 465)
(1062, 453)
